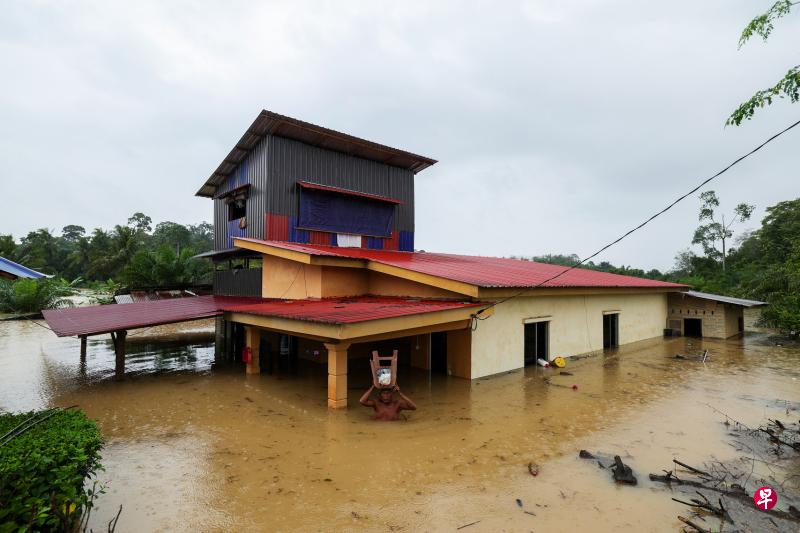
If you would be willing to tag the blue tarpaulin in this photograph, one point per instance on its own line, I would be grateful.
(338, 213)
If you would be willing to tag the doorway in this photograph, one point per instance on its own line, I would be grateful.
(611, 330)
(693, 327)
(439, 352)
(536, 342)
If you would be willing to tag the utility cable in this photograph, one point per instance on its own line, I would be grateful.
(640, 226)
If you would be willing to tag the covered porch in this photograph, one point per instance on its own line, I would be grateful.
(341, 333)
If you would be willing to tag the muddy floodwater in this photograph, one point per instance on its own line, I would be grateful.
(193, 446)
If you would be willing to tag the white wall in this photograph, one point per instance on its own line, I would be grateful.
(576, 327)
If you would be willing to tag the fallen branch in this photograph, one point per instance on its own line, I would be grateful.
(692, 524)
(691, 468)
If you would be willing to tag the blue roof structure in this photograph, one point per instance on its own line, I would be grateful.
(18, 271)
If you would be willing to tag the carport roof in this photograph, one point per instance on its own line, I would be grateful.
(99, 319)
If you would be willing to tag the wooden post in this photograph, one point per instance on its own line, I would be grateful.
(252, 339)
(119, 350)
(337, 375)
(83, 349)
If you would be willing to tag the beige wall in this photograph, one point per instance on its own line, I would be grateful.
(386, 285)
(282, 278)
(576, 327)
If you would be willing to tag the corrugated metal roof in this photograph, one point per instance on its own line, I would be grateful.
(348, 310)
(269, 123)
(725, 299)
(98, 319)
(19, 271)
(106, 318)
(348, 192)
(488, 272)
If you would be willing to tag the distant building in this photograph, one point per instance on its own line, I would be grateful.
(11, 270)
(700, 314)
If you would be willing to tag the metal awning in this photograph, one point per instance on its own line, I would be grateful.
(724, 299)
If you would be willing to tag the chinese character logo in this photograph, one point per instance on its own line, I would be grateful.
(765, 498)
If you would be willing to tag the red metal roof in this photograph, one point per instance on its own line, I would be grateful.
(489, 272)
(347, 310)
(348, 192)
(106, 318)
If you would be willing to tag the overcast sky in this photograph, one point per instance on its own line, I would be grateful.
(557, 125)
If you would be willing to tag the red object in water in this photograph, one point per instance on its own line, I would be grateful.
(247, 355)
(574, 387)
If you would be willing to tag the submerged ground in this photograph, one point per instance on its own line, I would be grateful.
(193, 446)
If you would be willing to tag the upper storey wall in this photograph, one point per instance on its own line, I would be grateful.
(273, 168)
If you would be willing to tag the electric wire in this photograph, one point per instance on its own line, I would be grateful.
(636, 228)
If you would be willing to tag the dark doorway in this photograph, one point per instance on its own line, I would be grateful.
(611, 331)
(741, 324)
(693, 327)
(536, 342)
(439, 352)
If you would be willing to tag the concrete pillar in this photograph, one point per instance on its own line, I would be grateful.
(252, 340)
(337, 375)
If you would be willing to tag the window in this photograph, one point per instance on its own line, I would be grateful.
(341, 211)
(237, 209)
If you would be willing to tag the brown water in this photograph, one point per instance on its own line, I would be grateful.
(192, 446)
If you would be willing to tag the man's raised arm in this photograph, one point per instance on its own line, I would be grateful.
(364, 400)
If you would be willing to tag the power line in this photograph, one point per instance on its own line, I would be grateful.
(640, 226)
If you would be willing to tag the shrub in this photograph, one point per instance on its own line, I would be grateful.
(33, 295)
(43, 470)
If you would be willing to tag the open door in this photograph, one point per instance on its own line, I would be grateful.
(611, 330)
(537, 343)
(439, 352)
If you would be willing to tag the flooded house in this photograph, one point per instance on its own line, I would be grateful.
(320, 224)
(315, 264)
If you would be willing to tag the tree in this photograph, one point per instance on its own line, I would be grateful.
(788, 86)
(8, 248)
(72, 232)
(171, 234)
(140, 222)
(707, 235)
(164, 267)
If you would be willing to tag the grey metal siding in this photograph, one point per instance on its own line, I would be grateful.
(275, 165)
(244, 282)
(252, 170)
(292, 160)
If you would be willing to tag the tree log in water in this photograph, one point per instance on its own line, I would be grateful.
(622, 472)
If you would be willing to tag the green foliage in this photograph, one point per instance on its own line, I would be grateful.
(717, 230)
(43, 470)
(788, 86)
(165, 267)
(104, 255)
(33, 295)
(763, 24)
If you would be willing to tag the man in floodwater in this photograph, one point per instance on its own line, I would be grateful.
(386, 406)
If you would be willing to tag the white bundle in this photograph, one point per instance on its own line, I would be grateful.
(384, 377)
